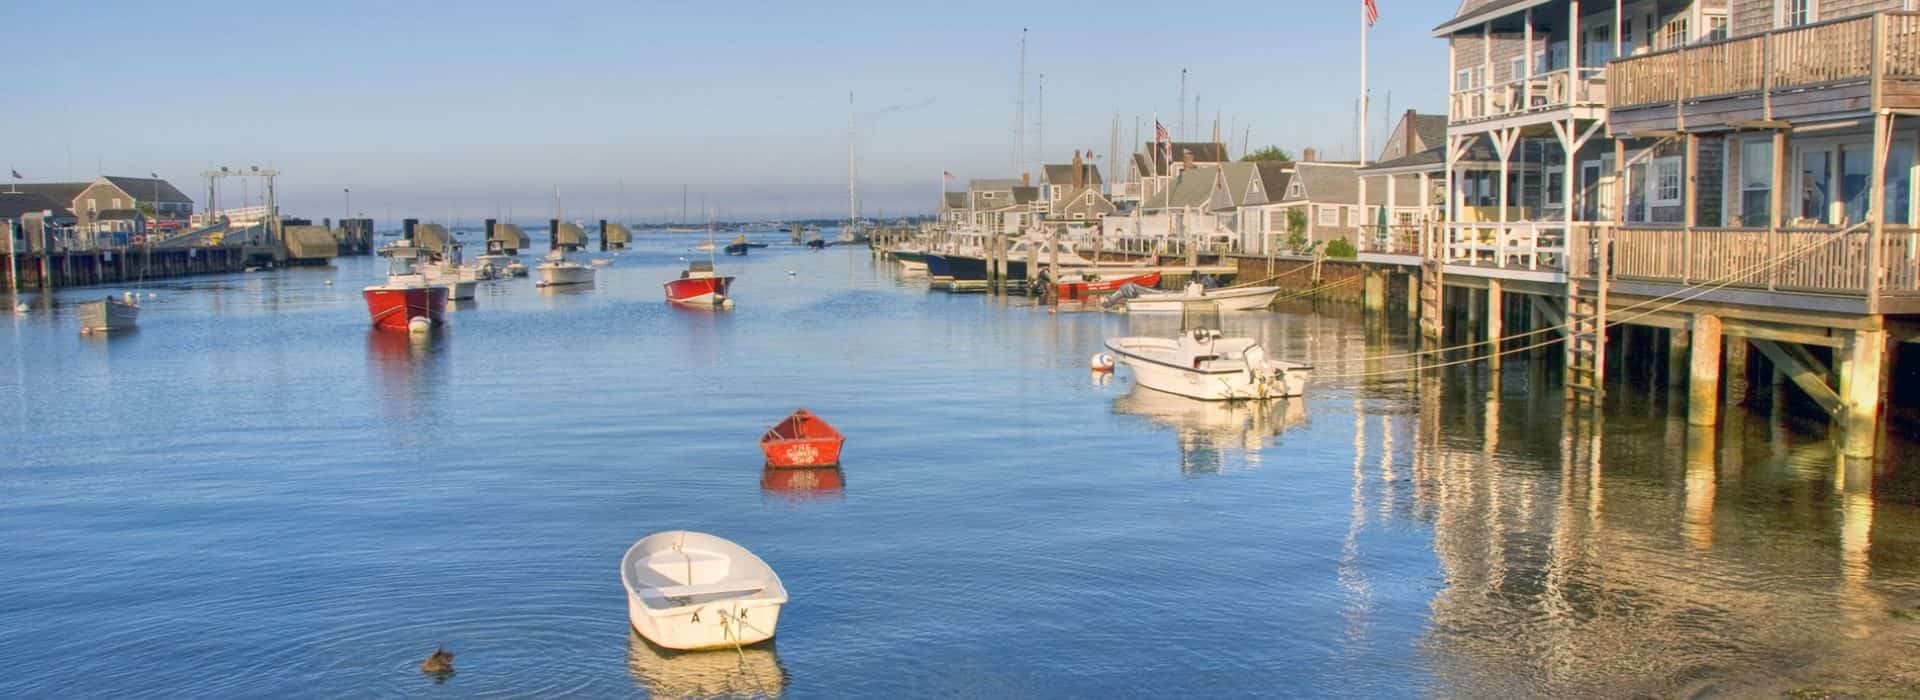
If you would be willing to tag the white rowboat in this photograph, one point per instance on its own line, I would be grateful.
(1238, 299)
(691, 590)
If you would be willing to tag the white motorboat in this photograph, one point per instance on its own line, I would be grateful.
(1229, 299)
(1202, 363)
(691, 590)
(558, 269)
(498, 265)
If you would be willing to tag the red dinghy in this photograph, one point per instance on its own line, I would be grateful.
(802, 440)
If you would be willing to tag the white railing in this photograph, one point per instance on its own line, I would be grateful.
(239, 216)
(1546, 91)
(1515, 245)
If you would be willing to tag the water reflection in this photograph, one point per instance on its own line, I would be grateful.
(1209, 431)
(410, 369)
(815, 483)
(753, 671)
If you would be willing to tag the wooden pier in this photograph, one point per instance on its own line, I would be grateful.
(75, 269)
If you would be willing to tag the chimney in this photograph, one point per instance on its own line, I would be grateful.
(553, 234)
(1186, 159)
(1308, 155)
(1026, 179)
(1079, 171)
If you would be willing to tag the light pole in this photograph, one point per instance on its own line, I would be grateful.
(347, 194)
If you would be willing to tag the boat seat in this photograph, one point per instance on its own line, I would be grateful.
(719, 588)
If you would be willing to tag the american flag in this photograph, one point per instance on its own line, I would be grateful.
(949, 175)
(1160, 132)
(1372, 10)
(17, 175)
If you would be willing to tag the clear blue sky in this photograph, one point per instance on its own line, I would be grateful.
(422, 110)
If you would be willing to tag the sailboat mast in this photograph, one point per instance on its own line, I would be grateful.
(853, 192)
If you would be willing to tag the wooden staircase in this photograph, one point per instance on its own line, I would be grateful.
(1432, 289)
(1586, 306)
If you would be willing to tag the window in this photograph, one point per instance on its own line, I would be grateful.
(1599, 49)
(1816, 184)
(1756, 183)
(1556, 185)
(1900, 184)
(1463, 80)
(93, 204)
(1353, 216)
(1716, 27)
(1295, 190)
(1517, 67)
(1327, 216)
(1675, 33)
(1668, 173)
(1794, 13)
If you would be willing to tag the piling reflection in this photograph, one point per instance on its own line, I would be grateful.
(1209, 432)
(1694, 556)
(749, 672)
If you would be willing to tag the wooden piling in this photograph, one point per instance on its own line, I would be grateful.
(1703, 387)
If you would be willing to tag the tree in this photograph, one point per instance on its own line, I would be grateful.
(1268, 153)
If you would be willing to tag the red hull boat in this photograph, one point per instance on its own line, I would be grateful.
(1075, 289)
(406, 295)
(699, 286)
(802, 440)
(392, 307)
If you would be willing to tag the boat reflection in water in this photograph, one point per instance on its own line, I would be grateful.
(1209, 431)
(810, 483)
(752, 671)
(409, 369)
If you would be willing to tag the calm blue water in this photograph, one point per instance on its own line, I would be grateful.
(256, 495)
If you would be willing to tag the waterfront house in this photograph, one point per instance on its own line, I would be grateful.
(1152, 170)
(1409, 179)
(953, 208)
(1263, 225)
(1237, 196)
(86, 200)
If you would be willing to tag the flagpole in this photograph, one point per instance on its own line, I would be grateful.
(1363, 89)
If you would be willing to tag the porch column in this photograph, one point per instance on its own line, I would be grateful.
(1703, 387)
(1877, 200)
(1860, 385)
(1691, 198)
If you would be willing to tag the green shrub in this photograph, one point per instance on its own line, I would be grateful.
(1340, 248)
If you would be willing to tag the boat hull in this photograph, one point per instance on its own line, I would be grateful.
(740, 606)
(700, 291)
(391, 308)
(802, 441)
(1080, 288)
(737, 249)
(460, 290)
(558, 275)
(107, 316)
(1152, 363)
(1248, 299)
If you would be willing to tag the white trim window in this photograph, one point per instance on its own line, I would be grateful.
(1327, 216)
(1718, 27)
(1665, 186)
(1795, 13)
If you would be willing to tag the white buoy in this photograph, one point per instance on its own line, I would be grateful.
(127, 296)
(1101, 362)
(20, 308)
(329, 283)
(149, 295)
(419, 324)
(791, 273)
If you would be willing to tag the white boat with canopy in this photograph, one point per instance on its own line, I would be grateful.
(1202, 363)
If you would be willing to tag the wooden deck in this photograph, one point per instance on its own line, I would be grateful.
(1826, 69)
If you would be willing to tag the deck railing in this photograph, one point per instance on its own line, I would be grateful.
(1394, 239)
(1821, 54)
(1821, 261)
(1546, 91)
(1522, 245)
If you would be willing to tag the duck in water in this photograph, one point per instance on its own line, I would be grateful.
(439, 665)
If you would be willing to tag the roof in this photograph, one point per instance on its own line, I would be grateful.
(116, 215)
(1274, 176)
(1430, 159)
(1327, 183)
(310, 242)
(15, 205)
(1431, 128)
(1476, 11)
(431, 236)
(571, 234)
(616, 233)
(1189, 189)
(1141, 164)
(1239, 178)
(992, 184)
(1203, 152)
(1086, 200)
(1062, 174)
(955, 200)
(1026, 195)
(144, 187)
(510, 234)
(62, 192)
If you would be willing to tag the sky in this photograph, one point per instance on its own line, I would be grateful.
(492, 107)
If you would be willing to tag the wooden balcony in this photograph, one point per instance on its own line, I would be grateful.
(1824, 69)
(1540, 94)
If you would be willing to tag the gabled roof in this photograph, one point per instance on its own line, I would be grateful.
(1432, 158)
(1141, 165)
(1203, 152)
(1432, 130)
(62, 192)
(1062, 174)
(143, 188)
(1476, 11)
(1026, 195)
(1189, 189)
(1239, 179)
(1086, 200)
(955, 200)
(1327, 183)
(992, 185)
(14, 205)
(1274, 176)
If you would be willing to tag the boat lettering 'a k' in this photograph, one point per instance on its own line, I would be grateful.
(803, 454)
